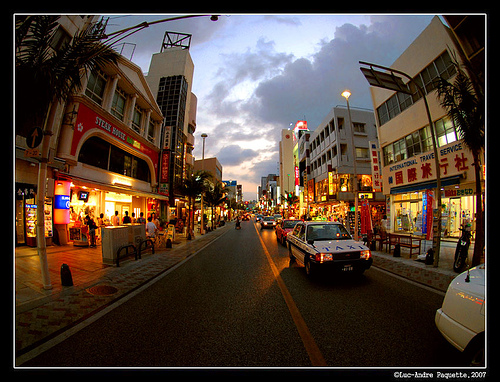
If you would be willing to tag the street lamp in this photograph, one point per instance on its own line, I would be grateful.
(346, 94)
(389, 80)
(202, 230)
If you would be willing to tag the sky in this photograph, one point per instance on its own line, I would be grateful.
(257, 74)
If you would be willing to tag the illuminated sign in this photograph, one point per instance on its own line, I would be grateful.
(61, 202)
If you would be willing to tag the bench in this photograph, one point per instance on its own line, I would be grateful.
(126, 247)
(406, 241)
(382, 239)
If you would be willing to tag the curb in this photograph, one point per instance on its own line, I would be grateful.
(413, 270)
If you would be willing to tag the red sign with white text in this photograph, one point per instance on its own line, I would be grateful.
(87, 119)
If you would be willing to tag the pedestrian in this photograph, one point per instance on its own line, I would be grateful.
(141, 219)
(151, 228)
(100, 220)
(384, 224)
(92, 228)
(126, 218)
(134, 220)
(155, 220)
(115, 219)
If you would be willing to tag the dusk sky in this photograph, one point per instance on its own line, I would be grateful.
(257, 74)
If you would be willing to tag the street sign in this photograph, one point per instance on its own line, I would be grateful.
(34, 138)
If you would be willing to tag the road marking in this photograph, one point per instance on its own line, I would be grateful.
(307, 339)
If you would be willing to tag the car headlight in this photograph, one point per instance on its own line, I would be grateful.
(365, 255)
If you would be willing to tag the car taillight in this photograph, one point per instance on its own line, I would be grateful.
(365, 255)
(321, 257)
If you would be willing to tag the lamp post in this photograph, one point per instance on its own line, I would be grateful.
(202, 230)
(389, 80)
(346, 94)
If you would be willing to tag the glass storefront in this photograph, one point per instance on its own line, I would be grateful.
(458, 205)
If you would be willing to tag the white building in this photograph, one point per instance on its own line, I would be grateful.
(406, 145)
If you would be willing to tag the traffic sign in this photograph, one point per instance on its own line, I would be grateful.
(34, 138)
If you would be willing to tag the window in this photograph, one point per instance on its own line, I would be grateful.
(445, 131)
(400, 150)
(151, 131)
(136, 119)
(118, 105)
(362, 153)
(426, 80)
(359, 127)
(99, 153)
(388, 152)
(96, 85)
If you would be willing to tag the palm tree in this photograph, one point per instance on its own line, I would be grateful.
(214, 196)
(466, 108)
(291, 199)
(45, 76)
(193, 186)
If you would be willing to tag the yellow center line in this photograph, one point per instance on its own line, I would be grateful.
(307, 339)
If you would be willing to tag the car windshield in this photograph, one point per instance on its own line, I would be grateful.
(327, 232)
(290, 223)
(268, 218)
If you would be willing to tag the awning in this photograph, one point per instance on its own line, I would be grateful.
(426, 185)
(77, 181)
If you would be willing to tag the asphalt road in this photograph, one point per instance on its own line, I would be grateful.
(226, 307)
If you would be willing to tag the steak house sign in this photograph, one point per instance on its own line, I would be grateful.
(88, 119)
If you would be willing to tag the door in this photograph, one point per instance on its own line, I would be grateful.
(20, 239)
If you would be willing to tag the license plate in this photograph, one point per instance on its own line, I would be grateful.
(347, 268)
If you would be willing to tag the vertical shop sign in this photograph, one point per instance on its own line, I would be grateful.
(61, 202)
(376, 170)
(366, 221)
(427, 215)
(297, 174)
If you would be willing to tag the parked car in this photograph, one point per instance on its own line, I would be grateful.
(320, 245)
(278, 218)
(267, 222)
(283, 228)
(461, 318)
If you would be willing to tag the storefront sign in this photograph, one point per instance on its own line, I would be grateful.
(61, 202)
(87, 119)
(376, 166)
(330, 183)
(454, 159)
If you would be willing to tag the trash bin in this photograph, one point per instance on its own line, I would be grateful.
(66, 278)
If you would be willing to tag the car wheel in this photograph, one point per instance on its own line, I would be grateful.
(309, 269)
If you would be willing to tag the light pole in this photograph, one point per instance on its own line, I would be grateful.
(346, 94)
(202, 230)
(391, 81)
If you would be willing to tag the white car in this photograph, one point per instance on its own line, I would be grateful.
(320, 245)
(461, 318)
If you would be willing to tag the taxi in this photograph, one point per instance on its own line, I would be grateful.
(320, 245)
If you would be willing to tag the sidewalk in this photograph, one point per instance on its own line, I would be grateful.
(438, 278)
(42, 315)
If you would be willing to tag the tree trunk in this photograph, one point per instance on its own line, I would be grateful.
(479, 242)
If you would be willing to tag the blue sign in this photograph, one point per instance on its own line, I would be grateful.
(61, 202)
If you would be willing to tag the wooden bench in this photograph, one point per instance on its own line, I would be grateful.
(406, 241)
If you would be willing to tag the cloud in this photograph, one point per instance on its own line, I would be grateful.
(234, 155)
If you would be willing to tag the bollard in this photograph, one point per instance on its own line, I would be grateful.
(66, 279)
(168, 244)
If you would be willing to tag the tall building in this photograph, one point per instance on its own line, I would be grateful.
(409, 171)
(170, 77)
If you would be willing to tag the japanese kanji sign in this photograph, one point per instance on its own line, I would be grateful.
(454, 159)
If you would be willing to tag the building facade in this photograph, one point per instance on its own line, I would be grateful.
(409, 173)
(103, 151)
(328, 157)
